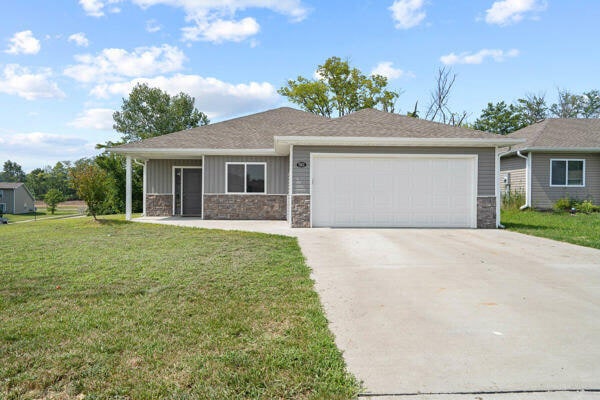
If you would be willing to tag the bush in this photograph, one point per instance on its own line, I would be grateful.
(587, 207)
(513, 200)
(564, 204)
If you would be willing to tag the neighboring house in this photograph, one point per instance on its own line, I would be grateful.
(560, 158)
(15, 198)
(366, 169)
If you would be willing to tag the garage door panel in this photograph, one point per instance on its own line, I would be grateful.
(391, 191)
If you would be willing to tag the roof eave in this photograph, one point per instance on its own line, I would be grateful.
(173, 153)
(282, 142)
(553, 150)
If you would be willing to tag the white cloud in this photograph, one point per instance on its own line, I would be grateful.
(114, 64)
(95, 8)
(29, 149)
(79, 39)
(407, 13)
(477, 58)
(212, 20)
(20, 81)
(506, 12)
(219, 31)
(152, 26)
(94, 118)
(216, 98)
(23, 43)
(385, 68)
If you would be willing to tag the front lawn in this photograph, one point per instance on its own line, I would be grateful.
(128, 310)
(581, 229)
(42, 213)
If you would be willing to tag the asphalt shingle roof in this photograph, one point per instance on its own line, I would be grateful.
(560, 133)
(257, 131)
(10, 185)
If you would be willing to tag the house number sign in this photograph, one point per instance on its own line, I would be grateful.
(301, 164)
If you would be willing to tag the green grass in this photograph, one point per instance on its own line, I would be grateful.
(42, 213)
(581, 229)
(130, 310)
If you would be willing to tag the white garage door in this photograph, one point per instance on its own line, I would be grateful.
(394, 190)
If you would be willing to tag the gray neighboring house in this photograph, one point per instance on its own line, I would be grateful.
(366, 169)
(560, 158)
(15, 198)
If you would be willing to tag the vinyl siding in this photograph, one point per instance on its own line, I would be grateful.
(485, 175)
(23, 201)
(277, 173)
(159, 174)
(544, 196)
(516, 167)
(7, 198)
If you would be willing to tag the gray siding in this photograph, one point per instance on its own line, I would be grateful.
(159, 174)
(7, 198)
(544, 196)
(23, 201)
(516, 167)
(486, 168)
(277, 173)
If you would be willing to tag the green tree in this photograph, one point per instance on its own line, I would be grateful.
(569, 105)
(114, 165)
(590, 107)
(12, 172)
(499, 118)
(93, 185)
(149, 112)
(37, 182)
(339, 87)
(532, 108)
(52, 198)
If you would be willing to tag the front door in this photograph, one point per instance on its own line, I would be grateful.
(188, 191)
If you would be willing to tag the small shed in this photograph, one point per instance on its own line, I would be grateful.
(15, 198)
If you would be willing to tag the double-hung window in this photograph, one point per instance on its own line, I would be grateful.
(247, 177)
(567, 172)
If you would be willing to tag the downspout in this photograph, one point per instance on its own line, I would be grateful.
(527, 179)
(497, 188)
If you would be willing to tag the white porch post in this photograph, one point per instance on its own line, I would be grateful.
(128, 188)
(144, 187)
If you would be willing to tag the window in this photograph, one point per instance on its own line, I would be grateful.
(1, 194)
(245, 177)
(567, 172)
(2, 208)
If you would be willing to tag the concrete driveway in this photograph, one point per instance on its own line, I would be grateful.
(445, 312)
(451, 311)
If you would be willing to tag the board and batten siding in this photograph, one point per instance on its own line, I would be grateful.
(516, 167)
(159, 174)
(277, 172)
(544, 196)
(23, 201)
(485, 174)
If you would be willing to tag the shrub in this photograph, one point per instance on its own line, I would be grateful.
(94, 186)
(564, 204)
(587, 207)
(513, 200)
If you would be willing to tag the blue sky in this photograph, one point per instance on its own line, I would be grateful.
(66, 65)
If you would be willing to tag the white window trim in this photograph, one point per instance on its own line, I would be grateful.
(173, 168)
(567, 171)
(245, 164)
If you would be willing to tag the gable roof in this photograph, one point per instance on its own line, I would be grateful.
(560, 133)
(271, 132)
(10, 185)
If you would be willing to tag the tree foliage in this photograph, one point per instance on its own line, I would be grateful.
(52, 198)
(149, 112)
(114, 166)
(500, 118)
(571, 105)
(40, 180)
(340, 88)
(93, 185)
(12, 172)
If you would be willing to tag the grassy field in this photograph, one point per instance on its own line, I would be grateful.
(126, 310)
(581, 229)
(42, 213)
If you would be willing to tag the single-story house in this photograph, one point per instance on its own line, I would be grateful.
(366, 169)
(15, 198)
(560, 158)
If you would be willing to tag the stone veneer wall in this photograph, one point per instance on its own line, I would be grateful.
(245, 206)
(486, 212)
(300, 211)
(159, 205)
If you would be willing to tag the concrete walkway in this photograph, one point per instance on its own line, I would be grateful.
(454, 311)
